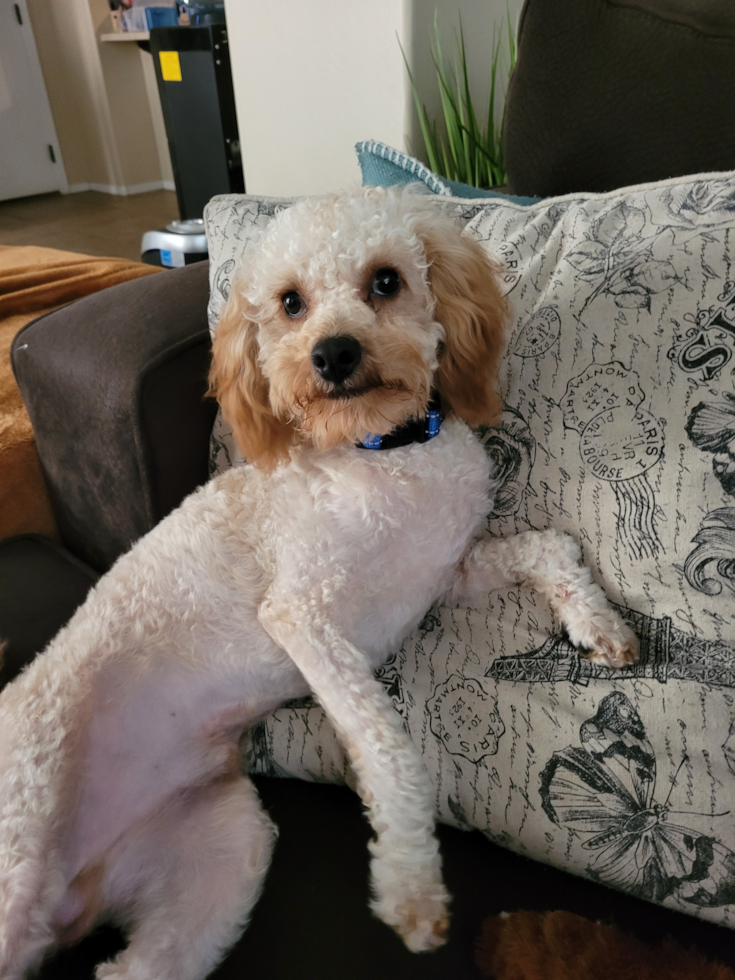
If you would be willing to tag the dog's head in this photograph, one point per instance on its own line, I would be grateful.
(345, 316)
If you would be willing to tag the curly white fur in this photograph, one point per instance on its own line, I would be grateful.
(120, 788)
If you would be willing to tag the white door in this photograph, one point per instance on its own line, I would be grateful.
(30, 161)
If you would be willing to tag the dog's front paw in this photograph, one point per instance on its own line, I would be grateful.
(593, 626)
(419, 915)
(613, 644)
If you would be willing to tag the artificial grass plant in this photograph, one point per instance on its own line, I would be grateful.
(464, 151)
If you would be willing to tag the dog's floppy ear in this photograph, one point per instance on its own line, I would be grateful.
(238, 383)
(472, 310)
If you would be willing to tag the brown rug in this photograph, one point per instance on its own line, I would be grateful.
(34, 281)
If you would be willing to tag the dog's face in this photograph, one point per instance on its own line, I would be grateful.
(346, 314)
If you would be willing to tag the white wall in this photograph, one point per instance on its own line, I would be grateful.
(159, 126)
(312, 79)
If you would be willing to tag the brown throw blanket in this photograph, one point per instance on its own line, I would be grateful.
(34, 281)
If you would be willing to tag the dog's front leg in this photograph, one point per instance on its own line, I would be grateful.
(409, 894)
(550, 562)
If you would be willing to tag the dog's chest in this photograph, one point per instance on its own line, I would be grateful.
(374, 538)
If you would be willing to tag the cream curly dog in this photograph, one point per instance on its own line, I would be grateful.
(120, 786)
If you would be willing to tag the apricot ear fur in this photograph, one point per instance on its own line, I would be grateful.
(473, 312)
(237, 381)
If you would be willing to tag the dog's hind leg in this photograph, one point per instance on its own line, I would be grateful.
(550, 562)
(189, 880)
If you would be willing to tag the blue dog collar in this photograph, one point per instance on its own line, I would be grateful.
(415, 430)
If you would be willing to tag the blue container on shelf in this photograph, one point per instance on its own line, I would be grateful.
(161, 17)
(204, 13)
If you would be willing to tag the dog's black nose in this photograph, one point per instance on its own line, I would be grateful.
(336, 358)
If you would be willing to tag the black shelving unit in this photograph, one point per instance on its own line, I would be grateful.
(198, 101)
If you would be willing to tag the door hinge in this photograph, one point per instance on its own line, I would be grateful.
(51, 153)
(18, 14)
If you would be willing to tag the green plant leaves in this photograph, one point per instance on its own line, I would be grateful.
(465, 152)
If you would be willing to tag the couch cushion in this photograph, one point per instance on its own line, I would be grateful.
(619, 427)
(41, 585)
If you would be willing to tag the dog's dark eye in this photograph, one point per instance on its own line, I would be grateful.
(386, 282)
(293, 304)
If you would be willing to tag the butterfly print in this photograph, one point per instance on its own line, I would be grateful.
(604, 793)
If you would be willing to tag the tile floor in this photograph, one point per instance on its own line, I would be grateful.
(88, 222)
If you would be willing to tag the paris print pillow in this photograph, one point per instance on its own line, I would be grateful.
(619, 428)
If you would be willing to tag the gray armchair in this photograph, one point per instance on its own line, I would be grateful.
(114, 385)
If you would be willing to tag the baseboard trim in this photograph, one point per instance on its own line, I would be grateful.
(124, 191)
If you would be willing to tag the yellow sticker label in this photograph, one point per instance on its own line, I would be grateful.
(170, 66)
